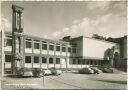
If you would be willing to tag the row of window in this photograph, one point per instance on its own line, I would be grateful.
(28, 59)
(89, 62)
(51, 47)
(44, 46)
(44, 60)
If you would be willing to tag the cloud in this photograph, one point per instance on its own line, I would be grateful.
(120, 5)
(5, 24)
(56, 34)
(45, 36)
(105, 18)
(108, 25)
(102, 5)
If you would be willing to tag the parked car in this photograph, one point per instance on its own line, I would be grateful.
(55, 71)
(86, 71)
(26, 72)
(96, 70)
(46, 72)
(37, 72)
(107, 70)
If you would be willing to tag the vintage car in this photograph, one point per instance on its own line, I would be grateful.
(96, 70)
(107, 70)
(25, 72)
(46, 72)
(55, 71)
(37, 72)
(86, 71)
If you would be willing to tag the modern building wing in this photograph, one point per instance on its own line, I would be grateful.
(92, 48)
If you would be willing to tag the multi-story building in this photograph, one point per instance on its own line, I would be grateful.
(78, 52)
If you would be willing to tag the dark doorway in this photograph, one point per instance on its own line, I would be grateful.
(116, 59)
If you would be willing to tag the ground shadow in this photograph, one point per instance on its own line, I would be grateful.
(75, 72)
(122, 69)
(17, 76)
(110, 81)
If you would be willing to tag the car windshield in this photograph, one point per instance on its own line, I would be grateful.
(94, 68)
(86, 68)
(27, 70)
(53, 68)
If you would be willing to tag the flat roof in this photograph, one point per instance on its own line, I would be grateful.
(64, 42)
(40, 38)
(92, 39)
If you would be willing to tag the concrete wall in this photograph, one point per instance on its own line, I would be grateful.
(2, 57)
(125, 48)
(79, 48)
(95, 48)
(0, 50)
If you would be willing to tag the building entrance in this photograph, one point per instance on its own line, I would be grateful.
(116, 59)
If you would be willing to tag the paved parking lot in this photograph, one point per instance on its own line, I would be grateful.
(68, 81)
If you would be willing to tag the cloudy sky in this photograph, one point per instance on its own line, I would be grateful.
(54, 20)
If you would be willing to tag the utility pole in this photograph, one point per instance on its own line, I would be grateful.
(17, 39)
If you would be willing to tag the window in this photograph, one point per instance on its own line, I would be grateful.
(63, 49)
(36, 59)
(27, 59)
(69, 49)
(51, 47)
(74, 50)
(87, 62)
(44, 46)
(91, 62)
(28, 44)
(9, 42)
(8, 58)
(96, 62)
(79, 61)
(50, 60)
(74, 61)
(57, 60)
(57, 48)
(44, 60)
(36, 45)
(99, 62)
(83, 61)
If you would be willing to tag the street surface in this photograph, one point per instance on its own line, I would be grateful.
(68, 81)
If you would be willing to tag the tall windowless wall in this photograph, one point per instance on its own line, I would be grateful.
(95, 48)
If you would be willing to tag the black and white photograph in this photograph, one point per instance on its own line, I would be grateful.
(63, 45)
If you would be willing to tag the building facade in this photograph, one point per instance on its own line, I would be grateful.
(77, 53)
(122, 41)
(94, 51)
